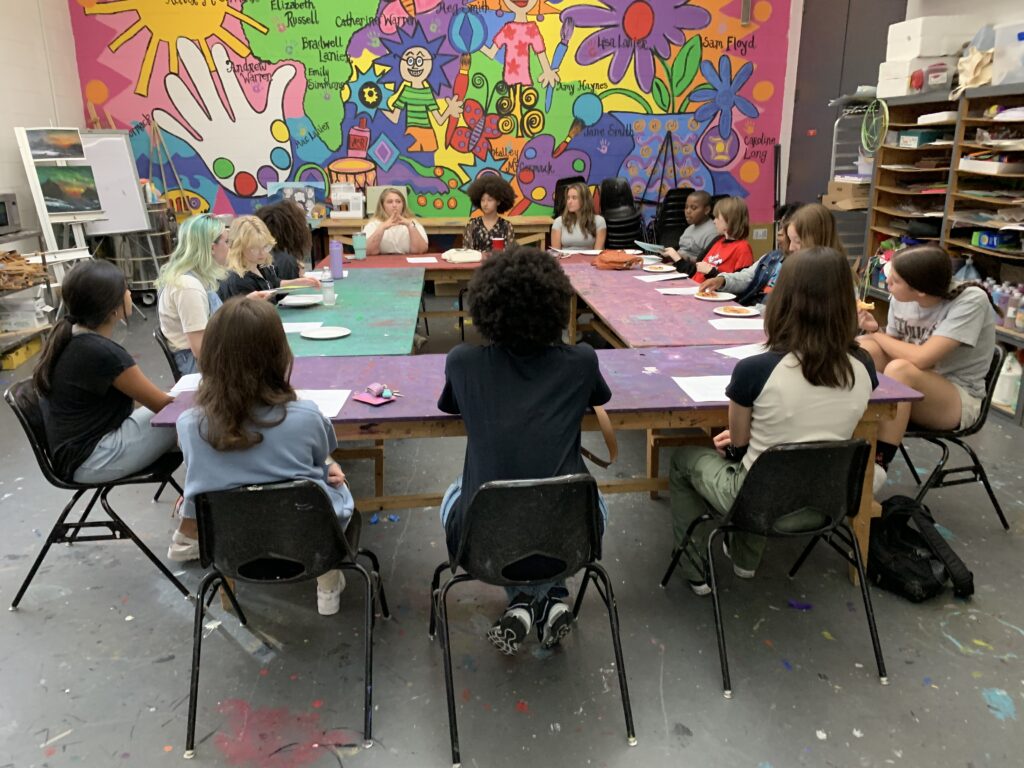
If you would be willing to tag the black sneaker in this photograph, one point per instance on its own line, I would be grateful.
(511, 629)
(555, 623)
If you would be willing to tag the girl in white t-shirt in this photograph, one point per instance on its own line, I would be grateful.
(393, 229)
(939, 339)
(578, 226)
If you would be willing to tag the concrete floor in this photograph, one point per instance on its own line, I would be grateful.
(94, 665)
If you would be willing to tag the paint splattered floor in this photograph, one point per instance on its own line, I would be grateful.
(94, 666)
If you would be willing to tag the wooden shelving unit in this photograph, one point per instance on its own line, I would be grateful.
(890, 196)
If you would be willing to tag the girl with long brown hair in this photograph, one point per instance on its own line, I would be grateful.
(813, 383)
(939, 339)
(578, 226)
(249, 426)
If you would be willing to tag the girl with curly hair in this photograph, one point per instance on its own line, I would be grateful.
(493, 196)
(521, 397)
(286, 221)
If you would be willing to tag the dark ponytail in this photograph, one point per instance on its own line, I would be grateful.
(91, 291)
(928, 269)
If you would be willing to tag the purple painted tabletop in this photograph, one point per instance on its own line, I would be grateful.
(642, 317)
(640, 380)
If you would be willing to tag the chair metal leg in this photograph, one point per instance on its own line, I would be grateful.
(368, 640)
(580, 593)
(423, 309)
(85, 516)
(55, 533)
(601, 577)
(159, 490)
(936, 474)
(446, 649)
(379, 587)
(230, 592)
(983, 476)
(138, 542)
(868, 610)
(719, 628)
(434, 584)
(681, 549)
(803, 556)
(208, 584)
(673, 564)
(913, 469)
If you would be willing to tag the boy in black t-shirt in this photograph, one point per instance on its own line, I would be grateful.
(522, 398)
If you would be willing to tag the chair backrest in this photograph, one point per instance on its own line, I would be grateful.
(558, 199)
(165, 347)
(275, 532)
(23, 397)
(519, 532)
(799, 488)
(998, 355)
(616, 193)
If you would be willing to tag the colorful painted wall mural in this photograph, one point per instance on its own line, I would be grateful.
(433, 93)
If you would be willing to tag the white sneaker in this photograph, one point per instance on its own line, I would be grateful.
(328, 601)
(741, 573)
(878, 482)
(183, 548)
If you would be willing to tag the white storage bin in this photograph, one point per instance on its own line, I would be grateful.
(929, 36)
(1008, 58)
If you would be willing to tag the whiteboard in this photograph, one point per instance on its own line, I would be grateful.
(117, 182)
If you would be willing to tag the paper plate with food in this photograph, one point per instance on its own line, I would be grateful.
(659, 267)
(715, 296)
(737, 311)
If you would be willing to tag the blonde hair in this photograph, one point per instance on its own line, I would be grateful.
(814, 225)
(248, 232)
(379, 213)
(737, 218)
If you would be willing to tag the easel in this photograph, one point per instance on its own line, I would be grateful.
(158, 148)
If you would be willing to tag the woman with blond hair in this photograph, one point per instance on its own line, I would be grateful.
(250, 266)
(393, 229)
(578, 226)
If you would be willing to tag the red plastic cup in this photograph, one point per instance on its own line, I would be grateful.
(497, 243)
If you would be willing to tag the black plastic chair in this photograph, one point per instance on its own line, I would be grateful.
(975, 472)
(624, 227)
(24, 401)
(510, 527)
(616, 193)
(277, 533)
(558, 198)
(787, 485)
(165, 347)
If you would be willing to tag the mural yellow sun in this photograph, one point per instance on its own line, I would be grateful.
(166, 22)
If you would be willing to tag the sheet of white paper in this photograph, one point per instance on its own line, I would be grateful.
(187, 383)
(300, 327)
(422, 259)
(738, 324)
(659, 277)
(329, 401)
(743, 351)
(688, 291)
(704, 389)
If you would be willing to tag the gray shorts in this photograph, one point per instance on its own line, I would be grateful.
(132, 446)
(970, 406)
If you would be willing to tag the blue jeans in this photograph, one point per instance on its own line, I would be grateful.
(186, 361)
(537, 592)
(124, 451)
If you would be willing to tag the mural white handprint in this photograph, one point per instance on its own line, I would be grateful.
(245, 148)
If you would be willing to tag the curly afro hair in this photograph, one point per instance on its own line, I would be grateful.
(496, 187)
(520, 300)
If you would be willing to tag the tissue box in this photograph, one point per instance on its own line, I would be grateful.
(1008, 56)
(929, 36)
(992, 238)
(918, 137)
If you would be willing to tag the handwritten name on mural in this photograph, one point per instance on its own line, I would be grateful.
(197, 3)
(351, 20)
(328, 49)
(292, 5)
(758, 146)
(572, 87)
(616, 131)
(319, 79)
(312, 135)
(731, 43)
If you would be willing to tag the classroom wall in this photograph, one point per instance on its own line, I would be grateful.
(662, 92)
(40, 88)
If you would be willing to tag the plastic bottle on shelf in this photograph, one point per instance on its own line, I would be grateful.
(327, 286)
(1007, 386)
(1012, 308)
(1004, 298)
(1019, 320)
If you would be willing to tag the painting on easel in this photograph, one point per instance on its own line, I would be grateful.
(68, 189)
(55, 144)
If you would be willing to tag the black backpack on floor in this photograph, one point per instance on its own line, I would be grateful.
(907, 555)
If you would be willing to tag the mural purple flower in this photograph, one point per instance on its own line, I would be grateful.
(628, 33)
(723, 94)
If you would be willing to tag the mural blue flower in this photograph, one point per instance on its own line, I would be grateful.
(723, 94)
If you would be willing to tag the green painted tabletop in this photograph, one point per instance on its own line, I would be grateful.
(379, 306)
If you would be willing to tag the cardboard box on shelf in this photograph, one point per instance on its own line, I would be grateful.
(929, 36)
(843, 189)
(844, 203)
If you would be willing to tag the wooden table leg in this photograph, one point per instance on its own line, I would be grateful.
(572, 319)
(869, 508)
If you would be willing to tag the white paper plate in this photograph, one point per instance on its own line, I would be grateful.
(659, 268)
(326, 332)
(737, 311)
(719, 296)
(632, 251)
(302, 300)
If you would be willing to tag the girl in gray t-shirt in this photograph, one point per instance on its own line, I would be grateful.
(939, 339)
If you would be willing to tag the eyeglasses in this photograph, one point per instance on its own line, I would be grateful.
(415, 61)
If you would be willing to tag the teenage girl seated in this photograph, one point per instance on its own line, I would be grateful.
(939, 339)
(493, 196)
(248, 427)
(753, 284)
(188, 287)
(293, 242)
(729, 252)
(578, 228)
(521, 398)
(88, 383)
(393, 228)
(250, 267)
(812, 384)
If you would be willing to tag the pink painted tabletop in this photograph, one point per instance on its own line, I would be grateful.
(394, 261)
